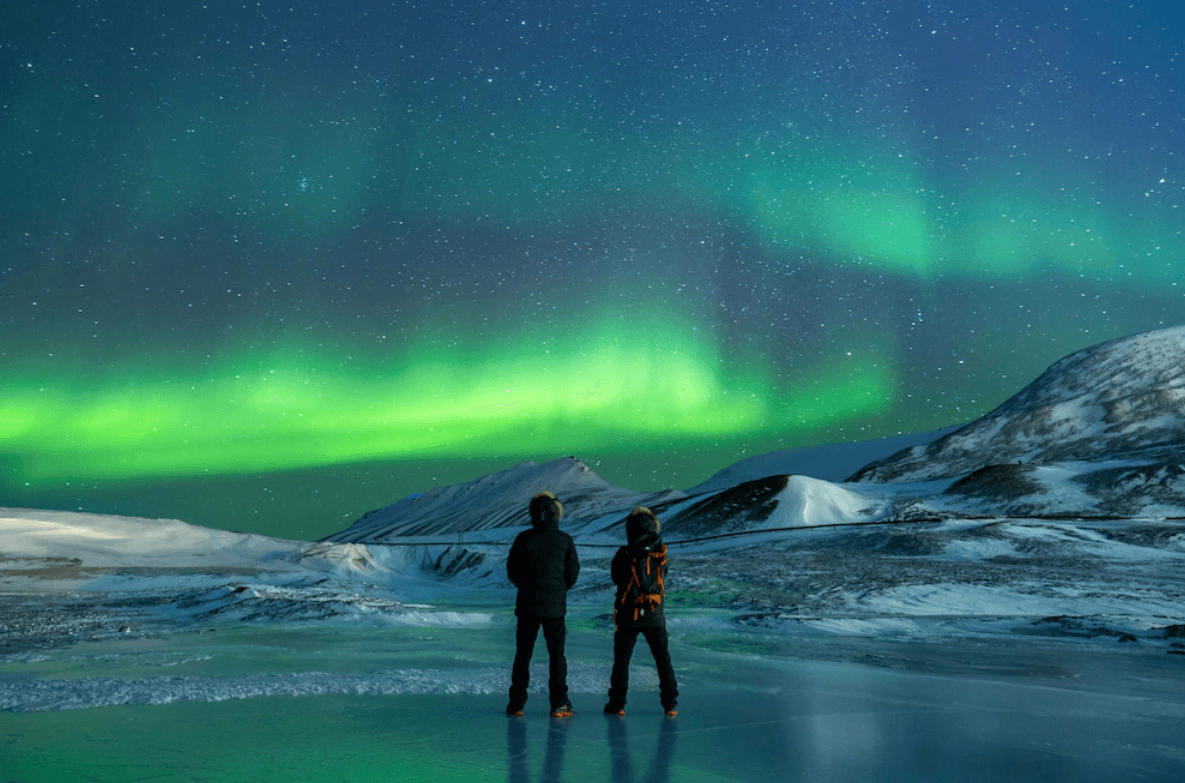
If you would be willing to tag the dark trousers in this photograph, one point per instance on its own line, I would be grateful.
(525, 635)
(624, 640)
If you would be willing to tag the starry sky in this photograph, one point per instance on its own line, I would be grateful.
(266, 266)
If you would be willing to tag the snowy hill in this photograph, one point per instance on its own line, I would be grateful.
(770, 503)
(103, 541)
(830, 462)
(71, 548)
(1083, 542)
(743, 494)
(498, 501)
(1120, 400)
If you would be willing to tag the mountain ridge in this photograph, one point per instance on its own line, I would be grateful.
(1102, 431)
(1121, 399)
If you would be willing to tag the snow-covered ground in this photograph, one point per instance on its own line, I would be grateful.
(807, 648)
(78, 578)
(1016, 650)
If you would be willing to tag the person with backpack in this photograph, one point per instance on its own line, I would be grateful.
(543, 565)
(639, 570)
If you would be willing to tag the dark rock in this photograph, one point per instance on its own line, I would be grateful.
(999, 481)
(731, 510)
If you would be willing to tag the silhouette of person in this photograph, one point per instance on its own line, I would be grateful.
(543, 565)
(639, 571)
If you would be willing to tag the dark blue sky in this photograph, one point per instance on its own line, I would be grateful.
(254, 253)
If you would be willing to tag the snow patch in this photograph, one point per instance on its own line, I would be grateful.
(807, 502)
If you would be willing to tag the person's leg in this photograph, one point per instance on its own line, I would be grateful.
(555, 634)
(619, 678)
(668, 689)
(526, 631)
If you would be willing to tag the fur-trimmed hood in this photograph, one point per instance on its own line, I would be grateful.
(642, 531)
(545, 510)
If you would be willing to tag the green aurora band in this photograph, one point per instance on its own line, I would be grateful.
(613, 388)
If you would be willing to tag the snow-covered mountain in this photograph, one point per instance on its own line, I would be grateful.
(830, 462)
(1119, 400)
(499, 500)
(1101, 433)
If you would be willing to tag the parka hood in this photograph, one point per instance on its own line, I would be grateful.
(641, 530)
(545, 511)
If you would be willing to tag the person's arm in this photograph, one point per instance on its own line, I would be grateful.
(571, 565)
(513, 566)
(619, 569)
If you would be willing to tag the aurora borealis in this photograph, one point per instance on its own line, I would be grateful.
(267, 266)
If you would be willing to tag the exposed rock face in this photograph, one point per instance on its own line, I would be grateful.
(737, 508)
(997, 481)
(1130, 491)
(1123, 399)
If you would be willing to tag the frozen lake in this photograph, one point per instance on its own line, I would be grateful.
(995, 650)
(350, 702)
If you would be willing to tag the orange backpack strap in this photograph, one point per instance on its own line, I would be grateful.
(661, 556)
(652, 599)
(625, 591)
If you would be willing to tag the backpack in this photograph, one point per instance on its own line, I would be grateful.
(645, 588)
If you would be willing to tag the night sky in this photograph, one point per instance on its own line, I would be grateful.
(266, 266)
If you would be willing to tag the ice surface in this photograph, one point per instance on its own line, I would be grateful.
(299, 705)
(971, 649)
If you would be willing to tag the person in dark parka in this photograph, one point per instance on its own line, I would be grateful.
(543, 565)
(639, 570)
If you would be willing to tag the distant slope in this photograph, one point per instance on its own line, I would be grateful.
(101, 540)
(1122, 399)
(67, 545)
(499, 500)
(832, 462)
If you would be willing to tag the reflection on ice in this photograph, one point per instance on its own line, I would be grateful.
(415, 704)
(621, 764)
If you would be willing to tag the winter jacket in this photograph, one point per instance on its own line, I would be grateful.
(644, 539)
(543, 565)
